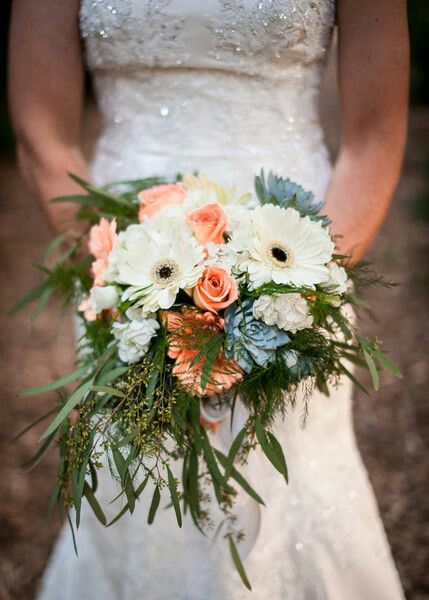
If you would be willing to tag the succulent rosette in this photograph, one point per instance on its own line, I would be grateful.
(249, 340)
(193, 296)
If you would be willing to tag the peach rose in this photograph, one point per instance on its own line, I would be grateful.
(158, 196)
(102, 238)
(86, 307)
(209, 223)
(215, 290)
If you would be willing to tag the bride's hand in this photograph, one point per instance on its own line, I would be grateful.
(45, 93)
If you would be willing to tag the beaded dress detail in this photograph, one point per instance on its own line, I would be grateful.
(227, 87)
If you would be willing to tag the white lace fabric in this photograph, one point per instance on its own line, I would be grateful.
(228, 87)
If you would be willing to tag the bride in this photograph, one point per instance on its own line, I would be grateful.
(226, 87)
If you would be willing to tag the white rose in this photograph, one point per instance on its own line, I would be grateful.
(288, 311)
(103, 298)
(337, 278)
(134, 338)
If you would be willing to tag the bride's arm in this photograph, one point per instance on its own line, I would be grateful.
(45, 94)
(373, 58)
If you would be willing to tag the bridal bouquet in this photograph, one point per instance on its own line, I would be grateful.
(191, 298)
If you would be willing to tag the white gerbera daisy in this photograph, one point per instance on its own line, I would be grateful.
(277, 244)
(156, 266)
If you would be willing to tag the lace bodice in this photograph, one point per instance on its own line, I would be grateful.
(244, 36)
(221, 86)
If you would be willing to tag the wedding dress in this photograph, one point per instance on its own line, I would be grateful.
(226, 87)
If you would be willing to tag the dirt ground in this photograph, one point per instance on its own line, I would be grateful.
(391, 426)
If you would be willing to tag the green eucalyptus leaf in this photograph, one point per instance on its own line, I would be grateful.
(272, 450)
(71, 403)
(211, 462)
(125, 476)
(30, 297)
(238, 477)
(73, 534)
(278, 451)
(174, 497)
(154, 505)
(37, 457)
(235, 447)
(238, 564)
(387, 363)
(108, 390)
(59, 383)
(138, 491)
(110, 376)
(53, 245)
(93, 502)
(352, 378)
(372, 369)
(34, 423)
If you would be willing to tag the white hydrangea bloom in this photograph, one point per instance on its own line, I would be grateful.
(134, 338)
(337, 278)
(103, 298)
(288, 311)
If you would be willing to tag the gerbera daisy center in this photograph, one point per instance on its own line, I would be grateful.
(165, 272)
(279, 254)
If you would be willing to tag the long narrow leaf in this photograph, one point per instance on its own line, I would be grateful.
(33, 424)
(139, 490)
(238, 564)
(74, 399)
(264, 442)
(93, 502)
(53, 245)
(73, 534)
(125, 478)
(211, 462)
(110, 376)
(372, 369)
(108, 390)
(387, 363)
(353, 378)
(174, 497)
(30, 297)
(55, 385)
(235, 447)
(238, 477)
(34, 460)
(154, 505)
(278, 450)
(98, 191)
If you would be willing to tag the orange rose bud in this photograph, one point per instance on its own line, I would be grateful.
(209, 223)
(158, 196)
(215, 290)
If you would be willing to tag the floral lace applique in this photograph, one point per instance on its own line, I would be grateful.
(270, 27)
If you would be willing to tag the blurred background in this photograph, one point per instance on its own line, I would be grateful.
(391, 426)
